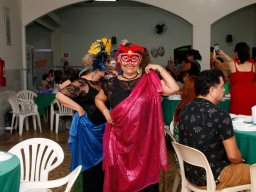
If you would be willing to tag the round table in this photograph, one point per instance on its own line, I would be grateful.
(10, 175)
(246, 142)
(169, 107)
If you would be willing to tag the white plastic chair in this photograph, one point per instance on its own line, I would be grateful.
(22, 111)
(69, 180)
(170, 131)
(177, 177)
(52, 112)
(62, 111)
(195, 157)
(253, 177)
(38, 156)
(26, 95)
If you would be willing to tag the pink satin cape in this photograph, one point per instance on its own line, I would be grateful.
(134, 148)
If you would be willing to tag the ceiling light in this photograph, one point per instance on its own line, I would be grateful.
(104, 0)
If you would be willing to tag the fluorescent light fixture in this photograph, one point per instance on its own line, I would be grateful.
(104, 0)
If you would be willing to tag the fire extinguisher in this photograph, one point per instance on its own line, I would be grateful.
(2, 74)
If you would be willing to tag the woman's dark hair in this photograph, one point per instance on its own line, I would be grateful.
(243, 52)
(188, 94)
(45, 76)
(195, 53)
(206, 80)
(145, 60)
(51, 72)
(145, 57)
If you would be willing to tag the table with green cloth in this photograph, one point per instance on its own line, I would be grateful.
(43, 101)
(246, 142)
(10, 175)
(169, 105)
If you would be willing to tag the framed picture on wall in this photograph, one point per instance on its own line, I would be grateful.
(7, 23)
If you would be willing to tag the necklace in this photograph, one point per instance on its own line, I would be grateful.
(130, 78)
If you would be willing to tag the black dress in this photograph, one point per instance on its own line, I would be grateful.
(116, 91)
(83, 92)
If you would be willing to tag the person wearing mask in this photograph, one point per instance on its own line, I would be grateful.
(88, 123)
(134, 140)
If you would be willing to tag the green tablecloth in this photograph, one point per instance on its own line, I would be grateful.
(169, 107)
(78, 186)
(43, 101)
(10, 175)
(246, 142)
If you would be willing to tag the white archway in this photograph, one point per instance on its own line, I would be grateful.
(200, 13)
(194, 11)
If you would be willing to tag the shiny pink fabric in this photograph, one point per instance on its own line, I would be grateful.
(134, 149)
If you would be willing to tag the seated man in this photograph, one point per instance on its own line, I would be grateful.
(208, 128)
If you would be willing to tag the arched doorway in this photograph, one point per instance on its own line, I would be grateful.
(78, 25)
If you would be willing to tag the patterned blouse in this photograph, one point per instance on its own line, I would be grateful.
(204, 126)
(83, 92)
(117, 90)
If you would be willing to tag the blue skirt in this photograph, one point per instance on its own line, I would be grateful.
(85, 142)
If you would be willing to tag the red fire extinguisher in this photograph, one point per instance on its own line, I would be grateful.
(2, 74)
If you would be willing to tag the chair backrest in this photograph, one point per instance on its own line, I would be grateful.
(64, 109)
(194, 157)
(72, 177)
(253, 177)
(20, 107)
(38, 156)
(170, 131)
(55, 101)
(26, 95)
(14, 104)
(171, 127)
(69, 180)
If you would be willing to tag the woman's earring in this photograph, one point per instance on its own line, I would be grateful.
(139, 71)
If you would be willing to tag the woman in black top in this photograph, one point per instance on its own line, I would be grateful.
(79, 95)
(193, 56)
(88, 123)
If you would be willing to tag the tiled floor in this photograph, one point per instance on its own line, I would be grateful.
(8, 140)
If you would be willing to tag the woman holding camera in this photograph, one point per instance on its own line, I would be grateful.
(242, 78)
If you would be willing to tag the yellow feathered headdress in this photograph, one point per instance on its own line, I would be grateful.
(100, 45)
(100, 50)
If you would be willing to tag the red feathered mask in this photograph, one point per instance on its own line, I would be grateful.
(134, 48)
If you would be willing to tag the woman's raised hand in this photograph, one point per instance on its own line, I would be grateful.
(154, 67)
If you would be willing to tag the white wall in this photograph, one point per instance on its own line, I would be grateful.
(11, 54)
(206, 10)
(38, 36)
(201, 14)
(82, 26)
